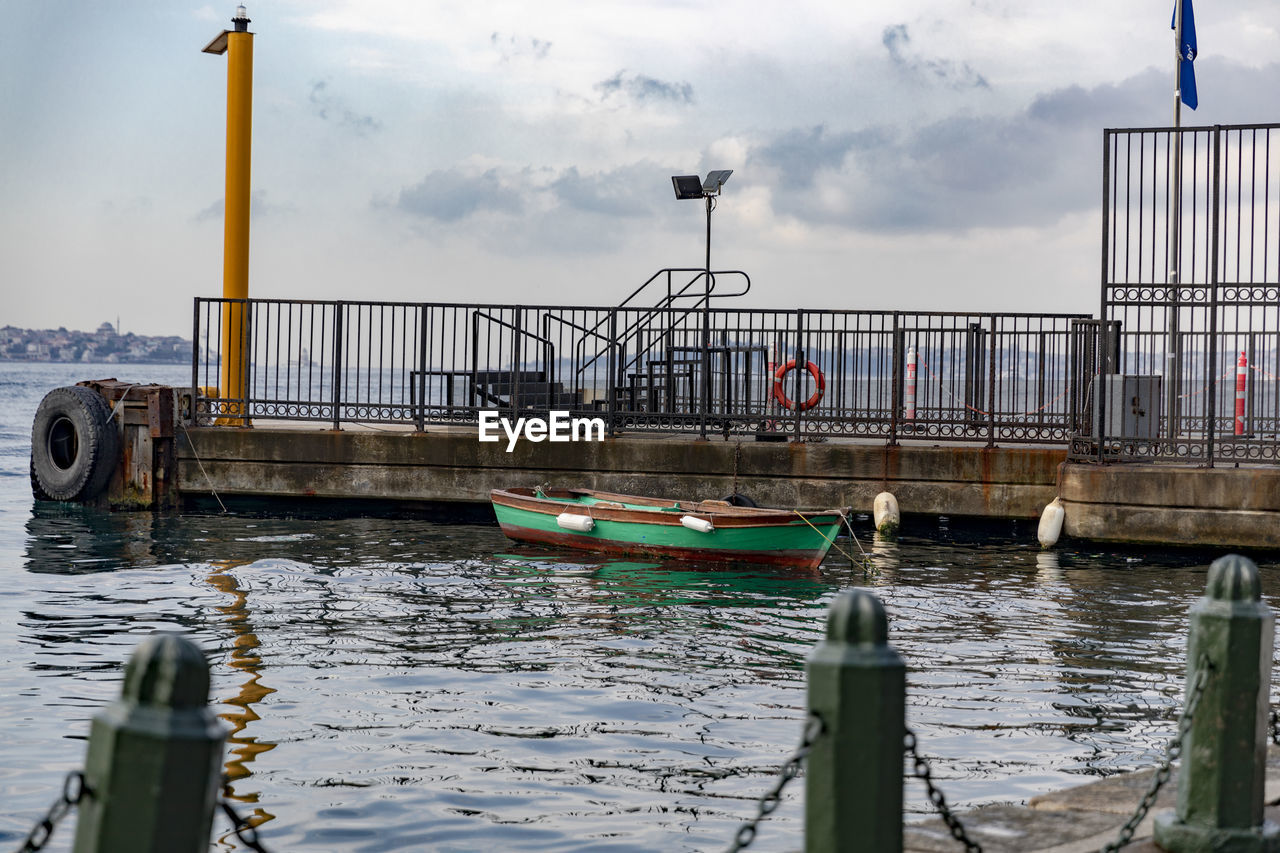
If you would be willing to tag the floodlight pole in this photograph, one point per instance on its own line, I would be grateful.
(710, 205)
(706, 328)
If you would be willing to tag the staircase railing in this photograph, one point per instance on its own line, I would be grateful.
(641, 322)
(517, 356)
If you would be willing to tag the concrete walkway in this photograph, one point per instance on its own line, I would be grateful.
(1085, 818)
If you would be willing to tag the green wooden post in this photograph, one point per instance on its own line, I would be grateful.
(857, 685)
(1220, 786)
(155, 757)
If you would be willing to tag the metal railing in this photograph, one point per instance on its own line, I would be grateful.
(984, 378)
(1191, 296)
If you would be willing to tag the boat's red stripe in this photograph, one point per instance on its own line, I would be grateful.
(797, 559)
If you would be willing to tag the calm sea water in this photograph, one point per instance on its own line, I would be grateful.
(400, 684)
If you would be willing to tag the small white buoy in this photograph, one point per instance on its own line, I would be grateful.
(1050, 524)
(580, 523)
(699, 524)
(885, 512)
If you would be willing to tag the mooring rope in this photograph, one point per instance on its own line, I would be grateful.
(832, 541)
(207, 478)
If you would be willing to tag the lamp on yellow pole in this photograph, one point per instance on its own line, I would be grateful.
(237, 44)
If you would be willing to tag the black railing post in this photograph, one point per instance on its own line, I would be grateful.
(246, 360)
(706, 342)
(1106, 222)
(614, 368)
(548, 359)
(1101, 367)
(195, 358)
(517, 356)
(1042, 344)
(420, 411)
(800, 373)
(993, 397)
(1212, 354)
(475, 358)
(895, 379)
(337, 364)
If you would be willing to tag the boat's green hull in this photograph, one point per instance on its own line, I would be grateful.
(795, 543)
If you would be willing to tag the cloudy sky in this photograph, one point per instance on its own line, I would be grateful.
(920, 153)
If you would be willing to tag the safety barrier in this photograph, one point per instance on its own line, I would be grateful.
(1190, 301)
(856, 733)
(983, 378)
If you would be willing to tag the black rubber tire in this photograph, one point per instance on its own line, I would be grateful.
(736, 499)
(39, 493)
(74, 445)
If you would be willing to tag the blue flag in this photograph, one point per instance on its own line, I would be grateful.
(1187, 54)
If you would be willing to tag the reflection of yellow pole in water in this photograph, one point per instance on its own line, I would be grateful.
(884, 551)
(244, 657)
(238, 45)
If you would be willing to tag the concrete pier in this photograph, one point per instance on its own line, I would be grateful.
(1173, 505)
(168, 461)
(451, 466)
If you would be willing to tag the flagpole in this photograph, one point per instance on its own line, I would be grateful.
(1173, 348)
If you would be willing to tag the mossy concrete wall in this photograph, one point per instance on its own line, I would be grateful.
(1170, 505)
(453, 467)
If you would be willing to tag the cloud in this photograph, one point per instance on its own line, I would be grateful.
(1033, 167)
(956, 75)
(511, 47)
(258, 208)
(614, 193)
(799, 155)
(449, 195)
(331, 108)
(539, 210)
(644, 89)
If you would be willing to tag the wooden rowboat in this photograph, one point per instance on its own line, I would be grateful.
(686, 530)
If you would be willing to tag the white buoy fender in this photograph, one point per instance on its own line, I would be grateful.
(580, 523)
(885, 512)
(1050, 524)
(699, 524)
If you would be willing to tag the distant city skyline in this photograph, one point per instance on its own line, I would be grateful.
(104, 345)
(939, 154)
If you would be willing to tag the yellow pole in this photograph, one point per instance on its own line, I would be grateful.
(238, 45)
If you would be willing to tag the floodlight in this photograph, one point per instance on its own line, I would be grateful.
(687, 186)
(715, 180)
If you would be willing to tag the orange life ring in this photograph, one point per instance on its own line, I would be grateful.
(819, 382)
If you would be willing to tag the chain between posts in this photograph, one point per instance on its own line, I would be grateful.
(73, 791)
(772, 798)
(246, 832)
(1171, 752)
(920, 769)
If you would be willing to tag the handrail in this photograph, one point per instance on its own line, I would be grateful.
(704, 302)
(548, 354)
(668, 270)
(666, 302)
(670, 298)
